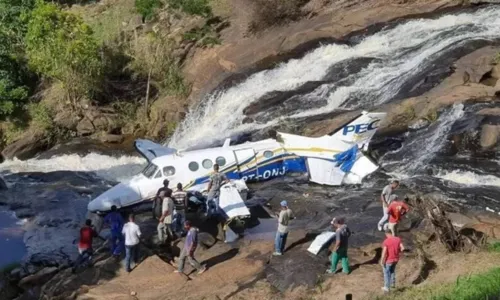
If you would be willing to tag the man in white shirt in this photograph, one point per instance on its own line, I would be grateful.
(132, 234)
(165, 222)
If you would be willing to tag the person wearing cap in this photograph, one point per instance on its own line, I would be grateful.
(284, 218)
(385, 198)
(396, 210)
(391, 248)
(339, 250)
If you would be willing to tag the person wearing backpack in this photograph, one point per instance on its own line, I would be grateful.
(339, 249)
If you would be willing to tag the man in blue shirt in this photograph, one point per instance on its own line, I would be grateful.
(188, 250)
(115, 222)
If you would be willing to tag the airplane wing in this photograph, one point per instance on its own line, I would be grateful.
(151, 150)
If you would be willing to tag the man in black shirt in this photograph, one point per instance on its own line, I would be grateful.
(157, 201)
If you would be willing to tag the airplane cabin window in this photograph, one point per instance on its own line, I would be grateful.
(193, 166)
(221, 161)
(268, 154)
(169, 171)
(207, 163)
(158, 175)
(150, 170)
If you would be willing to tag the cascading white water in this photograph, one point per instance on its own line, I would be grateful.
(107, 167)
(469, 178)
(415, 154)
(400, 51)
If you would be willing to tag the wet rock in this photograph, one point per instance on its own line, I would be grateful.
(476, 65)
(111, 138)
(489, 135)
(3, 185)
(53, 226)
(419, 124)
(39, 278)
(26, 147)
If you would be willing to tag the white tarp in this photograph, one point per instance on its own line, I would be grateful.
(230, 201)
(320, 241)
(324, 172)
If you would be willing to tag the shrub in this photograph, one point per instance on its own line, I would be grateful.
(192, 7)
(268, 13)
(147, 8)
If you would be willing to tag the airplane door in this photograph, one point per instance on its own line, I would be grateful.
(247, 164)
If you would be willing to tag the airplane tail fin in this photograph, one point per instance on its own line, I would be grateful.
(360, 130)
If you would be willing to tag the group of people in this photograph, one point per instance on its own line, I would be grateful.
(392, 246)
(123, 236)
(172, 224)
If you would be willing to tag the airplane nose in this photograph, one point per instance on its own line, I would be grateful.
(120, 195)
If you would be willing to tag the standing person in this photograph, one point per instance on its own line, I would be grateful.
(165, 221)
(132, 234)
(339, 251)
(216, 181)
(181, 203)
(115, 222)
(392, 247)
(160, 194)
(396, 210)
(188, 250)
(87, 234)
(284, 218)
(385, 199)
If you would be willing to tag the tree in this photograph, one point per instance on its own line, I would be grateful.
(60, 46)
(15, 79)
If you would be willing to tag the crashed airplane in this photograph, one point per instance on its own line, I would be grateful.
(333, 159)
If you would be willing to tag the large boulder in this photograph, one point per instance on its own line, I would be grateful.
(489, 135)
(476, 64)
(27, 146)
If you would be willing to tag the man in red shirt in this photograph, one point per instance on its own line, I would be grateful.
(392, 247)
(396, 210)
(87, 234)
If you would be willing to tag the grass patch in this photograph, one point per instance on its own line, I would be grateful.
(494, 247)
(107, 19)
(496, 59)
(474, 287)
(206, 35)
(192, 7)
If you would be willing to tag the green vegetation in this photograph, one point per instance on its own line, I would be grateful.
(192, 7)
(494, 247)
(66, 60)
(206, 35)
(147, 8)
(474, 287)
(61, 46)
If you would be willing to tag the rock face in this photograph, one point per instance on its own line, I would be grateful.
(327, 20)
(56, 207)
(26, 147)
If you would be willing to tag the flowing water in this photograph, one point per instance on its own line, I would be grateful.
(370, 71)
(399, 55)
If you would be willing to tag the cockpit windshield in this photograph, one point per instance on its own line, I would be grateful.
(150, 170)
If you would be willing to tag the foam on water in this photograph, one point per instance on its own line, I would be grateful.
(469, 178)
(401, 52)
(107, 167)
